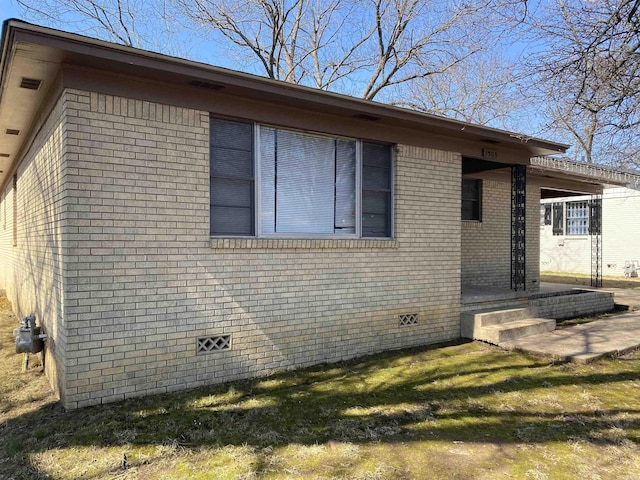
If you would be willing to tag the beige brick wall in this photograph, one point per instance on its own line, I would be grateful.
(144, 279)
(486, 245)
(571, 306)
(32, 218)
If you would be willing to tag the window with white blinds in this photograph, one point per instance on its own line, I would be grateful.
(306, 184)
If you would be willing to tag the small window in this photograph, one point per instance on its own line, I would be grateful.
(577, 218)
(471, 199)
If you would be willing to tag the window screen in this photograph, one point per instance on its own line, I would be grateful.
(376, 190)
(231, 177)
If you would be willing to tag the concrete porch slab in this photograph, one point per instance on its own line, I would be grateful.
(472, 294)
(584, 343)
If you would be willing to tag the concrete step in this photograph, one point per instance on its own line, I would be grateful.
(473, 321)
(507, 332)
(495, 317)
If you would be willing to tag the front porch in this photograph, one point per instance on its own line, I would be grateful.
(501, 216)
(473, 295)
(501, 316)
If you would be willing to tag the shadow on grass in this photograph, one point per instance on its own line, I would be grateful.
(460, 393)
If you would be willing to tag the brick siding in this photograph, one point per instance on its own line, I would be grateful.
(570, 306)
(486, 245)
(144, 280)
(31, 227)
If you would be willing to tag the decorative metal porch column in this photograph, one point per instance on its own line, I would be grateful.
(595, 230)
(518, 227)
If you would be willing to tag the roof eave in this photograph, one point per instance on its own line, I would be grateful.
(142, 58)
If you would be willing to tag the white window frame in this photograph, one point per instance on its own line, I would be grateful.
(568, 209)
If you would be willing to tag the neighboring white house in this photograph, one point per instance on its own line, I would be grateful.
(566, 227)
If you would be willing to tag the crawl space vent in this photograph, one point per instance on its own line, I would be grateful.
(406, 319)
(215, 343)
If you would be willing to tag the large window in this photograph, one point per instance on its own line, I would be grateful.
(471, 199)
(267, 181)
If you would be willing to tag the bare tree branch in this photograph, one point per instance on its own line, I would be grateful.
(588, 71)
(361, 47)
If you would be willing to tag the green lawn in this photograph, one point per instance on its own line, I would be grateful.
(465, 411)
(585, 280)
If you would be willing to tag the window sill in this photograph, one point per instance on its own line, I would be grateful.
(302, 244)
(471, 223)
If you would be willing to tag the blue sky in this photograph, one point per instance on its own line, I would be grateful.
(182, 43)
(8, 10)
(195, 49)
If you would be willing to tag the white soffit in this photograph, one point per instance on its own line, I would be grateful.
(19, 107)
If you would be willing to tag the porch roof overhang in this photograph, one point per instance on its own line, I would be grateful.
(30, 52)
(556, 173)
(557, 177)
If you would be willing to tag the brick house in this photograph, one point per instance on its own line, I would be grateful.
(173, 224)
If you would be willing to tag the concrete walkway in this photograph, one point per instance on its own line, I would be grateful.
(584, 343)
(587, 342)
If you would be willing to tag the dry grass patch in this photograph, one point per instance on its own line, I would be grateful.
(465, 411)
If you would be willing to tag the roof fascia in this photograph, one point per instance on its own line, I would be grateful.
(82, 45)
